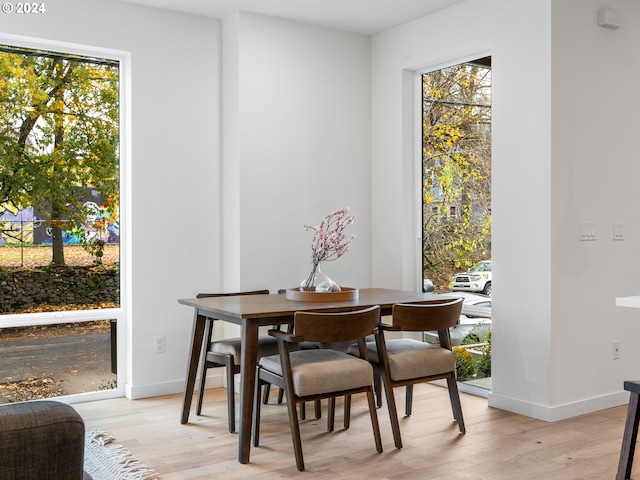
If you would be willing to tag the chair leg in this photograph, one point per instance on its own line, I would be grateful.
(255, 423)
(373, 413)
(207, 341)
(280, 395)
(295, 431)
(203, 379)
(317, 409)
(409, 400)
(454, 396)
(331, 414)
(347, 411)
(377, 386)
(267, 391)
(393, 412)
(629, 438)
(231, 399)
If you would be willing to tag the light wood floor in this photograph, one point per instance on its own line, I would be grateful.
(497, 446)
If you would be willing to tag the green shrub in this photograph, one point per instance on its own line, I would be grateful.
(471, 339)
(465, 365)
(484, 363)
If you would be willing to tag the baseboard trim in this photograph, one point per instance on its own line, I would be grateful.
(136, 392)
(558, 412)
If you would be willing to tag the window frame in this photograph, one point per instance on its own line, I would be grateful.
(122, 314)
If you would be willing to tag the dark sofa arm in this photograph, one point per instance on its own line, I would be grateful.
(41, 440)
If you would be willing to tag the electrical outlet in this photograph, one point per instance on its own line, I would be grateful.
(160, 345)
(616, 350)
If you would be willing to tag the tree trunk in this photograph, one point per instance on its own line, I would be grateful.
(57, 204)
(56, 235)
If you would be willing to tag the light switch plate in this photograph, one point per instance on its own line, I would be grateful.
(587, 231)
(618, 231)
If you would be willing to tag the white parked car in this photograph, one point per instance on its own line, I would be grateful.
(477, 279)
(474, 323)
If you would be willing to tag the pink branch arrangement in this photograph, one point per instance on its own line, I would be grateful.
(329, 240)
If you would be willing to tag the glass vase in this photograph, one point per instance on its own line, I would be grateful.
(317, 281)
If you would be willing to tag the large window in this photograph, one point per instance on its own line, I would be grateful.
(60, 164)
(456, 167)
(456, 205)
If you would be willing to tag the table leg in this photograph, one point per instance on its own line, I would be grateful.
(248, 378)
(629, 438)
(197, 335)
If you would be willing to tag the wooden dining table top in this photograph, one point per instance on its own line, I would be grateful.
(270, 307)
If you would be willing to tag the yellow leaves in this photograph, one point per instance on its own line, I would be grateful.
(447, 134)
(462, 352)
(429, 196)
(436, 93)
(58, 105)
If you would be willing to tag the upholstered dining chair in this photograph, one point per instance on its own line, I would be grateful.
(227, 353)
(406, 361)
(314, 374)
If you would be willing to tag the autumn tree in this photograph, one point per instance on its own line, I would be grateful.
(59, 126)
(456, 165)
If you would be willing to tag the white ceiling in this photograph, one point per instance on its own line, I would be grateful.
(359, 16)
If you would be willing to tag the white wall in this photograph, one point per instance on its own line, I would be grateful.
(296, 148)
(594, 178)
(173, 168)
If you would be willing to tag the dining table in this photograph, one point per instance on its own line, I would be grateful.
(251, 312)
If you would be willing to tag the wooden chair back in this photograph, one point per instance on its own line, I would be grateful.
(438, 315)
(336, 327)
(254, 292)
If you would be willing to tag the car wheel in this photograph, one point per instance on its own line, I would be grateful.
(487, 289)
